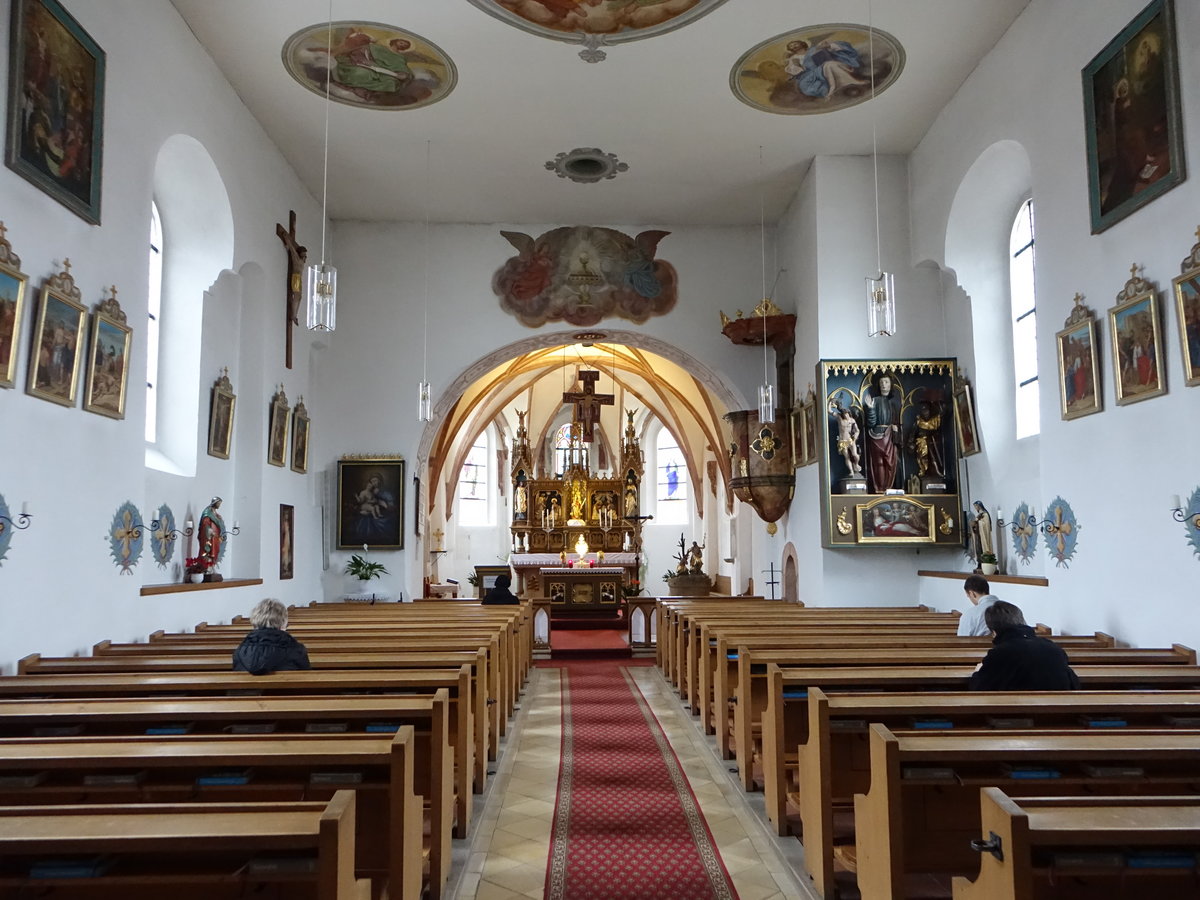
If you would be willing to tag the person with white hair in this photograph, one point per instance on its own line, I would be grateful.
(269, 648)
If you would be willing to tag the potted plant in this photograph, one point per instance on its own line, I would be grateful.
(987, 563)
(195, 568)
(362, 569)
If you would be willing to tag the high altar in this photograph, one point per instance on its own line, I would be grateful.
(550, 515)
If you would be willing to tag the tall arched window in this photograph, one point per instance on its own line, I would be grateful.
(154, 323)
(672, 478)
(473, 484)
(1021, 268)
(562, 450)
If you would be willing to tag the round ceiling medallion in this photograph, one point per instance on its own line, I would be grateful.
(369, 65)
(818, 69)
(586, 165)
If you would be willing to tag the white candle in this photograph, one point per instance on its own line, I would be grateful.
(25, 507)
(188, 524)
(235, 524)
(1176, 503)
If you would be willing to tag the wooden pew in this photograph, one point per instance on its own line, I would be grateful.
(187, 851)
(833, 760)
(922, 808)
(133, 769)
(1085, 848)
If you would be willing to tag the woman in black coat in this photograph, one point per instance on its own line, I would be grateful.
(269, 648)
(500, 595)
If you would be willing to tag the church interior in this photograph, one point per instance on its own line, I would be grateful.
(802, 306)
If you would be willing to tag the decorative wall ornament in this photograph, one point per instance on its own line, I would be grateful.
(278, 428)
(586, 165)
(56, 105)
(162, 538)
(57, 337)
(597, 25)
(1134, 129)
(1024, 533)
(816, 69)
(1137, 341)
(1079, 388)
(583, 274)
(372, 66)
(12, 308)
(220, 417)
(9, 524)
(1187, 308)
(1062, 531)
(1190, 517)
(125, 537)
(108, 360)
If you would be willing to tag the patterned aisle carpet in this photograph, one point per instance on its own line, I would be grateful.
(626, 824)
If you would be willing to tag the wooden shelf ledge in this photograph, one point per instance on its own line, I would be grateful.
(1032, 580)
(151, 589)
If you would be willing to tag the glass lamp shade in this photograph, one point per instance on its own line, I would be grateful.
(424, 402)
(320, 291)
(881, 305)
(766, 403)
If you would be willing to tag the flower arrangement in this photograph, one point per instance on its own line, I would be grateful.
(197, 565)
(363, 569)
(631, 588)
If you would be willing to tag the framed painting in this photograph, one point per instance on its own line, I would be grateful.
(220, 417)
(964, 421)
(57, 336)
(1134, 129)
(12, 308)
(300, 426)
(287, 524)
(416, 506)
(1079, 390)
(1137, 347)
(108, 365)
(1187, 307)
(809, 417)
(277, 428)
(796, 423)
(56, 105)
(370, 499)
(895, 520)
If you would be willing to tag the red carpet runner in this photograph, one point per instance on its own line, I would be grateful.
(626, 824)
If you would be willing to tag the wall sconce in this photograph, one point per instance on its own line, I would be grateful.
(236, 529)
(24, 519)
(1017, 529)
(1180, 515)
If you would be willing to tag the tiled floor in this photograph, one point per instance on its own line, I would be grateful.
(505, 856)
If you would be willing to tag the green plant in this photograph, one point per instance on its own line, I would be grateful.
(363, 569)
(987, 558)
(473, 579)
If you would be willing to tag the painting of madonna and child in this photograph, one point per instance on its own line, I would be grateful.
(888, 449)
(370, 503)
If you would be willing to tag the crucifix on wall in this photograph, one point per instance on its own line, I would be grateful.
(587, 403)
(297, 260)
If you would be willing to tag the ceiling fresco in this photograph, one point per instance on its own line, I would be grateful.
(370, 65)
(817, 69)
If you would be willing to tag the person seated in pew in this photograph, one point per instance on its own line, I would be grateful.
(500, 595)
(1020, 660)
(979, 592)
(269, 648)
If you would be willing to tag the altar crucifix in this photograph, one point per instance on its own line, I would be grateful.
(587, 403)
(297, 260)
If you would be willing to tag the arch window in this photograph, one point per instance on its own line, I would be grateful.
(473, 484)
(1021, 271)
(672, 479)
(562, 450)
(154, 322)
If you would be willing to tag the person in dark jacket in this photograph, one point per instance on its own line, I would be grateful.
(500, 595)
(1020, 660)
(269, 648)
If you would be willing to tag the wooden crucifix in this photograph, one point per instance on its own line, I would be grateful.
(297, 260)
(587, 403)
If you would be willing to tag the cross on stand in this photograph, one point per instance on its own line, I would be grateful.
(772, 581)
(588, 402)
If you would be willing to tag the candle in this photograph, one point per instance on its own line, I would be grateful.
(188, 525)
(25, 507)
(1176, 503)
(235, 524)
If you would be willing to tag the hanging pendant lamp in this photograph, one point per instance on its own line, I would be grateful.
(881, 290)
(320, 280)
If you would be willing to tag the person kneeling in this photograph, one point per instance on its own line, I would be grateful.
(1020, 660)
(269, 648)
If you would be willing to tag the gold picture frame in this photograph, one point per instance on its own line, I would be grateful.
(108, 361)
(370, 502)
(1080, 391)
(796, 423)
(895, 520)
(966, 427)
(809, 420)
(300, 426)
(277, 429)
(13, 283)
(1136, 340)
(1187, 309)
(220, 417)
(57, 338)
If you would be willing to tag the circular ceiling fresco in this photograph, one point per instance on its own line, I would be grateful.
(370, 65)
(595, 23)
(818, 69)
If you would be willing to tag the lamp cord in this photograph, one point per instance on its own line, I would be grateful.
(425, 331)
(762, 236)
(325, 172)
(874, 140)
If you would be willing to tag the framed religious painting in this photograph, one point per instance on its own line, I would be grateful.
(1134, 130)
(1187, 309)
(300, 426)
(108, 361)
(1079, 389)
(57, 336)
(277, 428)
(12, 309)
(287, 541)
(965, 426)
(809, 421)
(796, 424)
(370, 502)
(220, 417)
(56, 105)
(1137, 354)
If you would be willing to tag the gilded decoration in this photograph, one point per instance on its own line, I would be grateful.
(583, 274)
(817, 69)
(764, 445)
(370, 65)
